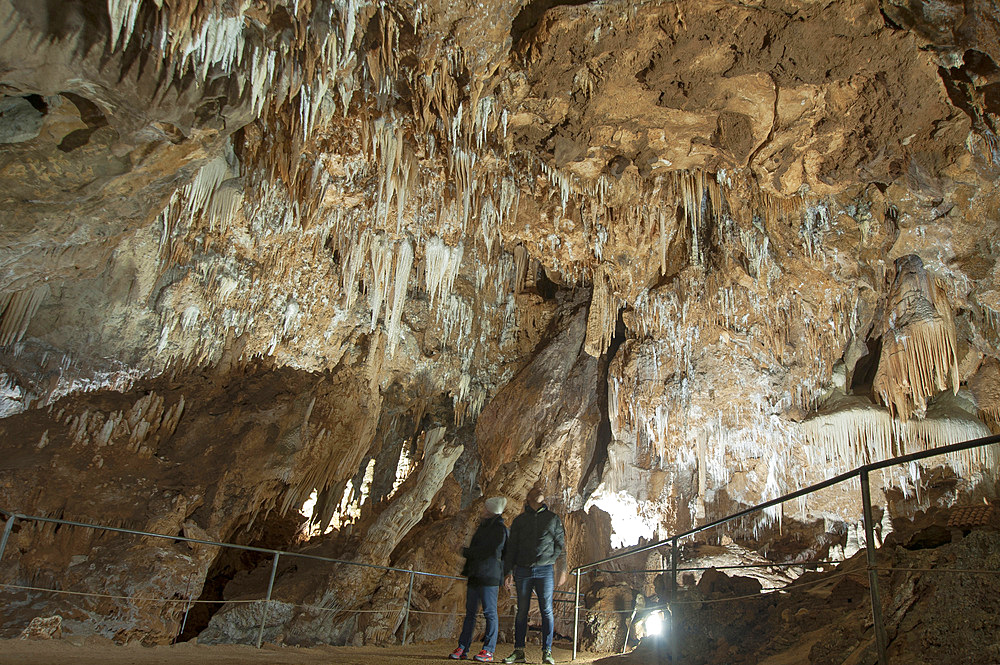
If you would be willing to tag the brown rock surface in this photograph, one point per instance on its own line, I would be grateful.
(667, 260)
(931, 615)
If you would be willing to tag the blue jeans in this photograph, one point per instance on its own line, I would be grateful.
(541, 580)
(474, 597)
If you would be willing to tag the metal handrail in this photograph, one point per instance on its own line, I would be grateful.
(861, 472)
(200, 541)
(14, 516)
(770, 564)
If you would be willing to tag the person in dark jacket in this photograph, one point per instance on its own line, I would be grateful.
(484, 568)
(536, 543)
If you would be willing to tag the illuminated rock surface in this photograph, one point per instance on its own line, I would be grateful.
(667, 260)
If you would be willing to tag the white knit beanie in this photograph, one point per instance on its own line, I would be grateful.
(496, 504)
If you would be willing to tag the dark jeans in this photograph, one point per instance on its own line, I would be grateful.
(541, 580)
(474, 597)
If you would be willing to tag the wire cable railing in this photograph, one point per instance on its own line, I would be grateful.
(12, 517)
(861, 473)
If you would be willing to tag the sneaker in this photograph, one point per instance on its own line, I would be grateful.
(459, 654)
(547, 657)
(484, 656)
(516, 657)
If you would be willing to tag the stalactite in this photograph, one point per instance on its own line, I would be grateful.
(353, 268)
(378, 284)
(219, 43)
(204, 199)
(850, 433)
(520, 268)
(140, 429)
(16, 311)
(603, 315)
(442, 266)
(122, 14)
(404, 262)
(815, 223)
(918, 341)
(455, 317)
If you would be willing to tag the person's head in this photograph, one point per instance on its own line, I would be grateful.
(536, 498)
(494, 506)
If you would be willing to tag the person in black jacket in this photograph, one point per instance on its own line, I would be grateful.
(484, 568)
(537, 542)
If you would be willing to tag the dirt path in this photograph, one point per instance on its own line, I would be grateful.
(91, 652)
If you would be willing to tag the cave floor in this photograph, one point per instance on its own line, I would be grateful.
(102, 652)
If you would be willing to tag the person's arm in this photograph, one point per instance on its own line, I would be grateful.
(510, 551)
(559, 544)
(558, 538)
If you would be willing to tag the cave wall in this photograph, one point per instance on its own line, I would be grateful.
(666, 259)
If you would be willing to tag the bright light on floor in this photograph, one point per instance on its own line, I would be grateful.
(654, 623)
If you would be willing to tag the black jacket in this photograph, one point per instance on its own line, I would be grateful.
(484, 555)
(536, 538)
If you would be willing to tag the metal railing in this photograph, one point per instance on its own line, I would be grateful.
(12, 517)
(861, 473)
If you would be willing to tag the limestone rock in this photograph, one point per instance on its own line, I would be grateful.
(372, 261)
(19, 120)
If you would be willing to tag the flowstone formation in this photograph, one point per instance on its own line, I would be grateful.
(383, 258)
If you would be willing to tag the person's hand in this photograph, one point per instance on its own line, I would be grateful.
(508, 582)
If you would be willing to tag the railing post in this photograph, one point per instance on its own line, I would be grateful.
(406, 612)
(671, 624)
(267, 601)
(6, 534)
(187, 608)
(880, 638)
(576, 613)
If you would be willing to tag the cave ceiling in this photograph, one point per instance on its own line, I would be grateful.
(698, 253)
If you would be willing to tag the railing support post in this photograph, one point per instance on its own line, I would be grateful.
(6, 534)
(880, 638)
(406, 612)
(267, 601)
(671, 624)
(187, 609)
(576, 614)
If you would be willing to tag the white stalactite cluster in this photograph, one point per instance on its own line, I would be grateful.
(436, 195)
(442, 264)
(850, 433)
